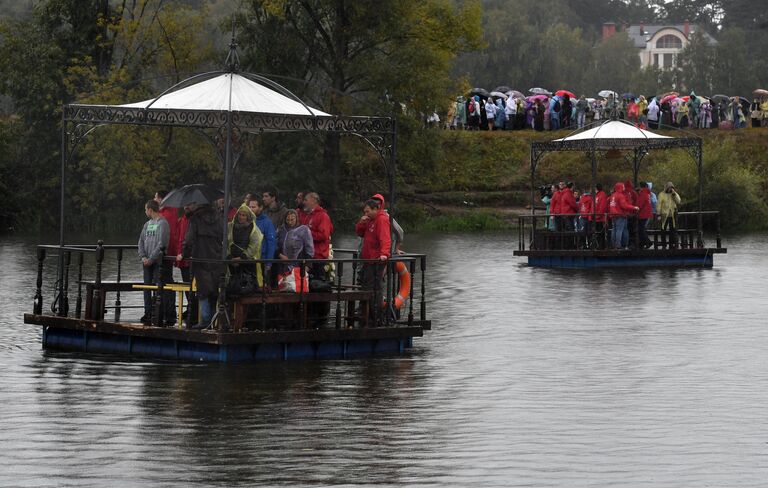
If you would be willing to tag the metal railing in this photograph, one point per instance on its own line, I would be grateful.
(98, 269)
(565, 232)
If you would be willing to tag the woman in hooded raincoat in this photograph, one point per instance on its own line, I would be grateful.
(244, 239)
(501, 115)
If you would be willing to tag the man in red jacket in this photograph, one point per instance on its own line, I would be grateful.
(320, 226)
(554, 206)
(171, 215)
(601, 208)
(568, 206)
(644, 214)
(619, 208)
(374, 228)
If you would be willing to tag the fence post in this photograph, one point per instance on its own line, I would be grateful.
(65, 284)
(98, 307)
(423, 304)
(411, 269)
(339, 275)
(717, 220)
(79, 303)
(38, 308)
(118, 303)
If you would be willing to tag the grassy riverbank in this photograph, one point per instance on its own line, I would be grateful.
(456, 180)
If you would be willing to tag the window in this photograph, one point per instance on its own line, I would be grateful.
(669, 42)
(656, 60)
(668, 60)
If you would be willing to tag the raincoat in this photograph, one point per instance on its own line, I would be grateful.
(319, 223)
(618, 204)
(203, 240)
(501, 116)
(667, 207)
(245, 241)
(295, 243)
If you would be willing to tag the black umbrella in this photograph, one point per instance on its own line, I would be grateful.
(197, 193)
(479, 91)
(502, 89)
(721, 98)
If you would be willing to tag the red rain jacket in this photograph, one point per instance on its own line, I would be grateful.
(644, 202)
(171, 215)
(618, 204)
(554, 204)
(585, 206)
(183, 224)
(601, 206)
(377, 240)
(319, 223)
(568, 203)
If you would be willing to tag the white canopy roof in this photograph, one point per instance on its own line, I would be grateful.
(228, 92)
(613, 129)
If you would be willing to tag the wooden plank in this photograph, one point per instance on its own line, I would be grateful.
(626, 254)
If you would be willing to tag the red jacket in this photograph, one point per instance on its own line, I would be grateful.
(320, 225)
(618, 204)
(644, 202)
(601, 206)
(183, 225)
(171, 214)
(585, 206)
(554, 204)
(568, 203)
(303, 216)
(377, 240)
(630, 192)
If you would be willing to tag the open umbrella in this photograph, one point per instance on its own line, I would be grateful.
(561, 93)
(540, 91)
(479, 91)
(533, 98)
(187, 194)
(607, 93)
(668, 98)
(721, 98)
(670, 93)
(628, 95)
(685, 98)
(515, 94)
(760, 93)
(496, 94)
(502, 89)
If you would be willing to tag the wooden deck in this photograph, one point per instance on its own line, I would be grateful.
(605, 258)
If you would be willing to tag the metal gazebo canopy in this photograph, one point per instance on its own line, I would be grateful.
(617, 135)
(221, 105)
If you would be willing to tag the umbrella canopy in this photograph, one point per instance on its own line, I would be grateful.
(515, 94)
(607, 93)
(197, 193)
(670, 93)
(533, 98)
(496, 94)
(721, 98)
(628, 95)
(561, 93)
(540, 91)
(685, 98)
(668, 98)
(479, 91)
(502, 89)
(760, 93)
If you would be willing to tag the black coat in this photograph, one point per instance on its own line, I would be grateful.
(203, 240)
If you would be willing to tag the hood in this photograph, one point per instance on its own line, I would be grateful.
(380, 197)
(650, 185)
(618, 187)
(628, 185)
(248, 211)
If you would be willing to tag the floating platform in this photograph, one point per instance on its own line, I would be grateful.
(576, 259)
(133, 339)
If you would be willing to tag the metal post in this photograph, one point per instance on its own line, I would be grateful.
(700, 222)
(412, 270)
(79, 303)
(118, 303)
(98, 307)
(65, 284)
(63, 176)
(300, 286)
(339, 274)
(38, 307)
(423, 304)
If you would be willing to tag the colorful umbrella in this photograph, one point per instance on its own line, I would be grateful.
(670, 93)
(561, 93)
(685, 98)
(668, 98)
(533, 98)
(628, 95)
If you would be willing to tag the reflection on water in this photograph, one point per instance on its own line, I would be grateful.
(531, 377)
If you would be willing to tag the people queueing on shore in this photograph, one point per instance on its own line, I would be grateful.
(630, 213)
(554, 112)
(153, 244)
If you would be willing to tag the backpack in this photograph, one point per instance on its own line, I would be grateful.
(556, 107)
(472, 107)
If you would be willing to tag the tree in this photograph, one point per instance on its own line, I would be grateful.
(733, 74)
(616, 63)
(360, 51)
(696, 65)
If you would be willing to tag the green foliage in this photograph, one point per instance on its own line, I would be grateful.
(478, 221)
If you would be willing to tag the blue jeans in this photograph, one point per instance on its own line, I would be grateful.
(554, 121)
(206, 310)
(620, 236)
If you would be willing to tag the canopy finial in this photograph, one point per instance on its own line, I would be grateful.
(233, 60)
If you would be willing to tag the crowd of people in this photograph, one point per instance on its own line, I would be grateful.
(260, 228)
(625, 214)
(553, 112)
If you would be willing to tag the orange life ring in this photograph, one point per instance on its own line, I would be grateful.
(405, 284)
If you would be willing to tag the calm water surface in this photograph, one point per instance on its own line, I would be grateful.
(530, 377)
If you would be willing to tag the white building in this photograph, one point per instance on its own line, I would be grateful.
(658, 45)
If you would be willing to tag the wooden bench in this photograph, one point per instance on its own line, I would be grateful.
(350, 296)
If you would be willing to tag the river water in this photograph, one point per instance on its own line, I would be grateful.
(530, 377)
